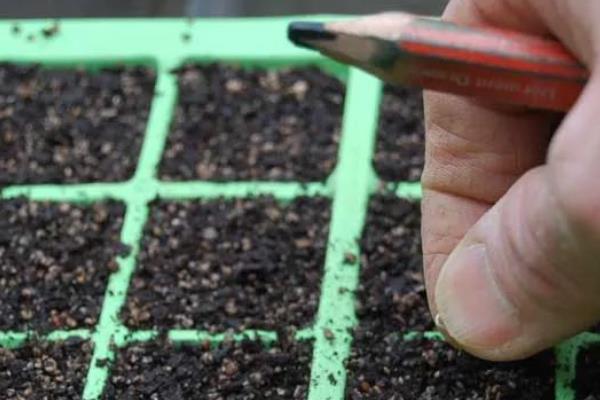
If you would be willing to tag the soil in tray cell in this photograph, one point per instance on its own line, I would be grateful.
(230, 264)
(54, 263)
(71, 126)
(587, 384)
(391, 293)
(386, 367)
(240, 124)
(400, 148)
(232, 371)
(44, 370)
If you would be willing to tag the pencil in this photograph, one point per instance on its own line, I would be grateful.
(499, 65)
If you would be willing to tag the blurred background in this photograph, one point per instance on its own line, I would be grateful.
(198, 8)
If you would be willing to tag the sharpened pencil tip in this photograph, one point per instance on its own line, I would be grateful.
(302, 33)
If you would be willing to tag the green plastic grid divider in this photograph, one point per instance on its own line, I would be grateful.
(167, 44)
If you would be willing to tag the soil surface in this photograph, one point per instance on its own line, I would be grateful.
(40, 371)
(391, 294)
(240, 124)
(587, 385)
(392, 302)
(54, 263)
(400, 148)
(71, 126)
(385, 367)
(231, 371)
(230, 264)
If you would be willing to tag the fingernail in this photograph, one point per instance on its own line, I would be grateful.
(471, 308)
(439, 323)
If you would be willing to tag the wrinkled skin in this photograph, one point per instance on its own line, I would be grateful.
(511, 208)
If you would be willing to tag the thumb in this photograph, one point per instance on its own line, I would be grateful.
(527, 274)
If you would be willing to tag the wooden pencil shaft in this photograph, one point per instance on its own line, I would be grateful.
(498, 65)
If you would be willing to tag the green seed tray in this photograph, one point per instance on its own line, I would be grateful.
(167, 44)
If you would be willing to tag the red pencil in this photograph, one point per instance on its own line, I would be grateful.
(499, 65)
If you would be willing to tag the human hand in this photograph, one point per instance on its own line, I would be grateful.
(511, 210)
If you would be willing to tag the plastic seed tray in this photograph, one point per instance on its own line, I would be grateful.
(167, 44)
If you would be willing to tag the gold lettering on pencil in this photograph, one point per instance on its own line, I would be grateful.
(497, 84)
(540, 91)
(460, 79)
(438, 74)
